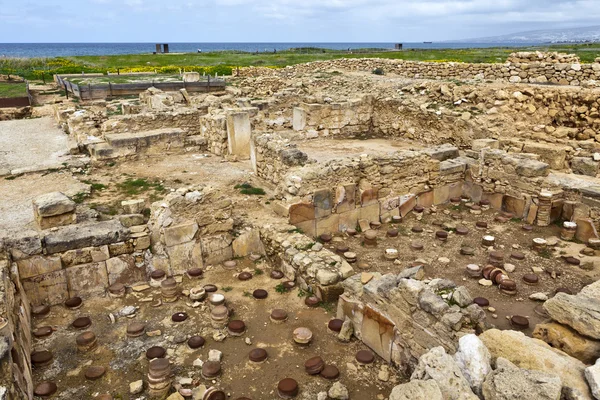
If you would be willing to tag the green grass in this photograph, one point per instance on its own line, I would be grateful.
(246, 188)
(12, 90)
(224, 62)
(136, 186)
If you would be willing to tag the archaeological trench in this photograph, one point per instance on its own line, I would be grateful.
(313, 232)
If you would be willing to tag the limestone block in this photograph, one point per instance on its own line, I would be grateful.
(191, 77)
(345, 198)
(179, 234)
(510, 382)
(248, 243)
(77, 257)
(551, 154)
(417, 390)
(514, 205)
(50, 288)
(56, 220)
(425, 199)
(323, 202)
(52, 204)
(592, 375)
(239, 132)
(584, 166)
(309, 228)
(100, 253)
(328, 224)
(443, 152)
(88, 235)
(117, 249)
(370, 213)
(133, 206)
(495, 199)
(536, 355)
(23, 244)
(348, 220)
(369, 196)
(581, 311)
(377, 332)
(479, 144)
(188, 255)
(38, 265)
(407, 203)
(217, 248)
(142, 243)
(129, 220)
(299, 119)
(586, 230)
(474, 360)
(568, 340)
(123, 270)
(301, 212)
(87, 279)
(438, 366)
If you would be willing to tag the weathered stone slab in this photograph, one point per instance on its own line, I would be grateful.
(56, 220)
(23, 245)
(584, 166)
(299, 119)
(50, 288)
(514, 205)
(510, 382)
(87, 279)
(188, 255)
(328, 224)
(586, 230)
(369, 196)
(38, 265)
(179, 234)
(133, 206)
(377, 332)
(370, 213)
(120, 248)
(88, 235)
(568, 340)
(51, 204)
(248, 243)
(345, 198)
(534, 354)
(217, 248)
(443, 152)
(123, 270)
(581, 311)
(417, 390)
(301, 212)
(348, 220)
(239, 132)
(551, 154)
(323, 202)
(438, 366)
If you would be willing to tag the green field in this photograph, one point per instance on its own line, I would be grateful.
(224, 62)
(12, 90)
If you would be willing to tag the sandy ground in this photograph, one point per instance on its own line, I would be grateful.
(125, 357)
(510, 237)
(31, 145)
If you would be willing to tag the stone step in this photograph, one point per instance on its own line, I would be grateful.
(140, 140)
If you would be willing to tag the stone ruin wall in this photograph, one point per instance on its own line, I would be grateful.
(569, 73)
(336, 195)
(16, 381)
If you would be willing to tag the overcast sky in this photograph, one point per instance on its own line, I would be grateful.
(283, 20)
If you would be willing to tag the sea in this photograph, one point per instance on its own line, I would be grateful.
(97, 49)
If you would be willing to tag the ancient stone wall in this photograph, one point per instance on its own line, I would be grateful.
(401, 318)
(350, 118)
(77, 260)
(301, 259)
(186, 120)
(272, 156)
(575, 74)
(15, 336)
